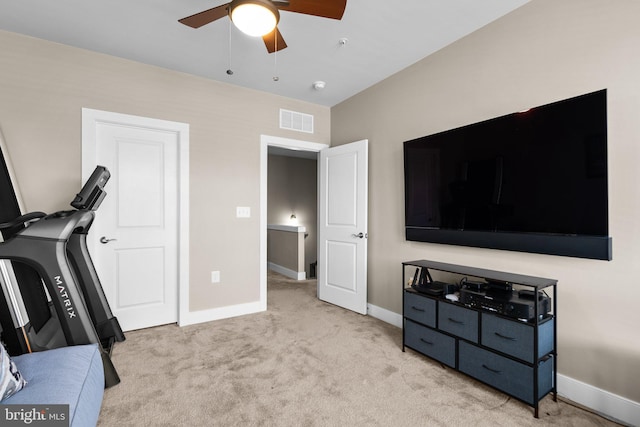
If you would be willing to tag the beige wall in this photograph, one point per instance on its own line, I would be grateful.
(292, 188)
(44, 86)
(546, 51)
(286, 249)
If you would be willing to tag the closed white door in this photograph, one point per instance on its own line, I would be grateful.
(137, 224)
(342, 231)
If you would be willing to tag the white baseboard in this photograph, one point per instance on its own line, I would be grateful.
(202, 316)
(297, 275)
(385, 315)
(602, 402)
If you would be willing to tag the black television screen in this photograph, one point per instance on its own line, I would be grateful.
(532, 181)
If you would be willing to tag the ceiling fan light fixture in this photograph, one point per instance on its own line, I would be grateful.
(255, 18)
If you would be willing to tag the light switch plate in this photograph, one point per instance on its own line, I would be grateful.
(243, 212)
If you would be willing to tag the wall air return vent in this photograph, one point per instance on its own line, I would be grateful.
(293, 120)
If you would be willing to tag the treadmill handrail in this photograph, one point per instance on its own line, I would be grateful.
(31, 216)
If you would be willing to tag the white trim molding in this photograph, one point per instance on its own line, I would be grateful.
(385, 315)
(289, 228)
(609, 405)
(296, 275)
(202, 316)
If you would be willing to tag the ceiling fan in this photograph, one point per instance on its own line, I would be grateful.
(249, 15)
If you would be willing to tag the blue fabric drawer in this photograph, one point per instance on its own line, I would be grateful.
(505, 374)
(515, 338)
(458, 321)
(431, 343)
(420, 308)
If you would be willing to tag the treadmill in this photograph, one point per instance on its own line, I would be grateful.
(59, 301)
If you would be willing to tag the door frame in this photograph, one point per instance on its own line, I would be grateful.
(90, 118)
(265, 142)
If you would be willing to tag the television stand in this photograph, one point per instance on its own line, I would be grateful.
(507, 342)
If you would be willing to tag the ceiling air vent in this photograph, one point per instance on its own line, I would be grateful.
(293, 120)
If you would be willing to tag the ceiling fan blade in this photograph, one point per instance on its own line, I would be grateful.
(333, 9)
(205, 17)
(270, 41)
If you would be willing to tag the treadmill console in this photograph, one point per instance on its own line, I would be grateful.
(92, 193)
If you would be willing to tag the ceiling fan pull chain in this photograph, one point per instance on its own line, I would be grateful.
(275, 56)
(229, 70)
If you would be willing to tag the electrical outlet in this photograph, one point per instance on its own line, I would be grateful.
(215, 277)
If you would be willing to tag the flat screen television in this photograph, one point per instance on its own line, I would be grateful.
(533, 181)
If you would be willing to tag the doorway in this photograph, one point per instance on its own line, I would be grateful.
(283, 146)
(292, 212)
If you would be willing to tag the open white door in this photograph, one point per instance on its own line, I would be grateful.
(342, 228)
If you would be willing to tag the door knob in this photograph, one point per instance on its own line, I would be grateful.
(104, 240)
(360, 235)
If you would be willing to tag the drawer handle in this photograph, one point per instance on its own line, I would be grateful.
(504, 337)
(425, 341)
(495, 371)
(417, 308)
(455, 321)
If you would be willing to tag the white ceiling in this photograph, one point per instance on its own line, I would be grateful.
(384, 36)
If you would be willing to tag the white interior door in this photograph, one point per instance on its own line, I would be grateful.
(137, 224)
(342, 230)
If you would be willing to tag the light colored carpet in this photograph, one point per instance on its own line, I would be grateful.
(302, 363)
